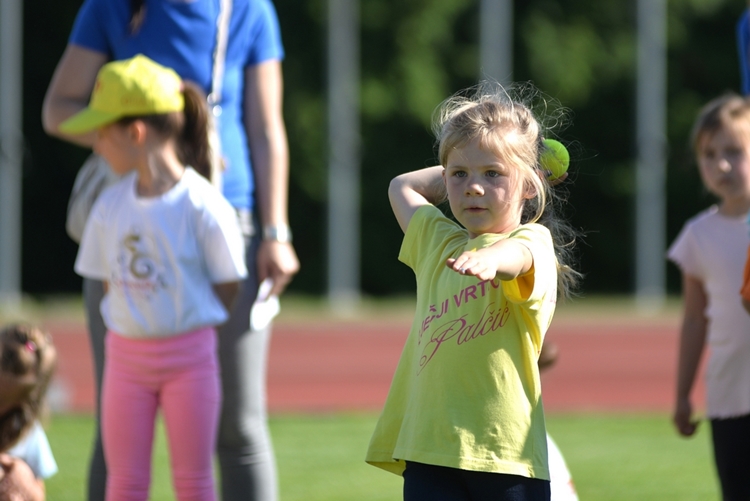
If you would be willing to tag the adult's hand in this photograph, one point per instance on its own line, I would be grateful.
(277, 261)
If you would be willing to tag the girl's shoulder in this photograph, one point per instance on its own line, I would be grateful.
(116, 193)
(711, 221)
(203, 195)
(532, 230)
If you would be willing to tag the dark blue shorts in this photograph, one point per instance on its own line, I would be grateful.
(731, 438)
(424, 482)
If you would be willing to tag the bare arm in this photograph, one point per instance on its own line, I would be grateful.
(505, 259)
(227, 293)
(17, 481)
(70, 90)
(266, 132)
(692, 343)
(410, 191)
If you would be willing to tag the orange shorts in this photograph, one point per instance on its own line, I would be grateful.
(745, 291)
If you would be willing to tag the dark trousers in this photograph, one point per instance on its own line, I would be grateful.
(731, 438)
(424, 482)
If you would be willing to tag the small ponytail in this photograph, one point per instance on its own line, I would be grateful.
(193, 143)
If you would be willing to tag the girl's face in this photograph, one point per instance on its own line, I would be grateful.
(724, 163)
(484, 191)
(114, 143)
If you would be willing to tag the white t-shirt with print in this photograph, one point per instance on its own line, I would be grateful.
(161, 256)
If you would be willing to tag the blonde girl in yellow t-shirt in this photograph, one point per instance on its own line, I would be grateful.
(464, 417)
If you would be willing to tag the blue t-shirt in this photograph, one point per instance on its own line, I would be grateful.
(182, 35)
(743, 41)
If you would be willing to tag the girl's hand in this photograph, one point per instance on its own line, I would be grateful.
(482, 264)
(686, 426)
(505, 259)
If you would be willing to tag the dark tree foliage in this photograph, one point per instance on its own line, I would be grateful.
(414, 53)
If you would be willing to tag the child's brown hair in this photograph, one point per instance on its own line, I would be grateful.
(718, 113)
(27, 355)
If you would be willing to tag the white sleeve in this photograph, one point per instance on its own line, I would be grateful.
(223, 244)
(683, 252)
(91, 259)
(35, 450)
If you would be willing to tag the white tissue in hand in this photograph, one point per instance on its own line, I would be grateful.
(265, 308)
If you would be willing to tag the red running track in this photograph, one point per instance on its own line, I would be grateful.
(334, 366)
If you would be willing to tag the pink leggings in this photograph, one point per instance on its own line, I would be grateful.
(180, 375)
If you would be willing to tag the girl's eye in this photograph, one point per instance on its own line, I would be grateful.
(459, 173)
(492, 173)
(733, 152)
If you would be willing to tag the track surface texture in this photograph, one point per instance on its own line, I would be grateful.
(606, 363)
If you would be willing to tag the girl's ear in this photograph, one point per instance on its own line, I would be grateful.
(530, 189)
(137, 131)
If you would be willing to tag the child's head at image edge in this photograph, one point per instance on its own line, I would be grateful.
(27, 361)
(720, 139)
(729, 112)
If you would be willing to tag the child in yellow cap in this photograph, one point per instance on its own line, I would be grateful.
(170, 251)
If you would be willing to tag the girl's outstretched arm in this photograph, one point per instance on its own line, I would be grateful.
(505, 259)
(408, 192)
(692, 342)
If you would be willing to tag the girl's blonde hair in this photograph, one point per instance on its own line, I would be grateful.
(718, 113)
(25, 350)
(504, 123)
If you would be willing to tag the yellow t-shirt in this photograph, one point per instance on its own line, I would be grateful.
(466, 393)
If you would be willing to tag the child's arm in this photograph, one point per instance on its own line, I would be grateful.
(692, 342)
(227, 293)
(745, 291)
(17, 481)
(505, 259)
(408, 192)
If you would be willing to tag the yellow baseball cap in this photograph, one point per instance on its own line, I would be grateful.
(131, 87)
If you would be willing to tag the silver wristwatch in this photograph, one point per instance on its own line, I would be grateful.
(277, 232)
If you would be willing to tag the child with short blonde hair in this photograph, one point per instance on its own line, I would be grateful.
(464, 418)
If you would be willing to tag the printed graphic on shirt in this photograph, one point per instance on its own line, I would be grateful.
(456, 327)
(138, 271)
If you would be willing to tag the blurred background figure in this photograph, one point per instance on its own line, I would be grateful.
(710, 253)
(561, 481)
(184, 36)
(27, 361)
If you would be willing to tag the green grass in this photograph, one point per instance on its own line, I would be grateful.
(320, 457)
(627, 457)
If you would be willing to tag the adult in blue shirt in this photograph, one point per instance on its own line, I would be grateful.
(182, 35)
(743, 49)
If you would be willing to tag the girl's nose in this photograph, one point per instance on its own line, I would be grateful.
(474, 187)
(724, 165)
